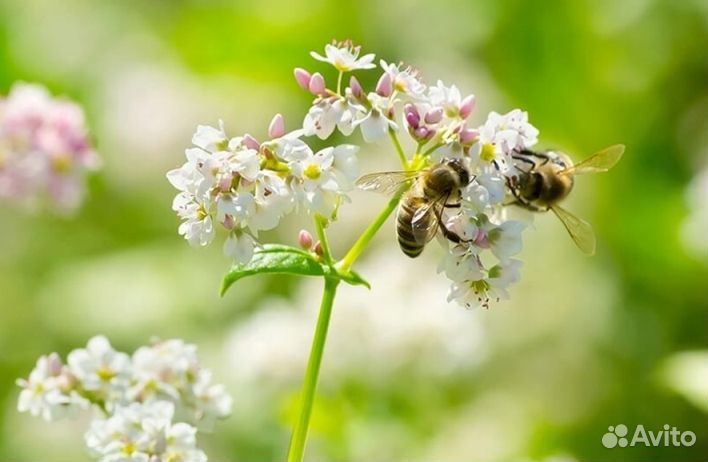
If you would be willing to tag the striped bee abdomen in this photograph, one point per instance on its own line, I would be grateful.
(404, 225)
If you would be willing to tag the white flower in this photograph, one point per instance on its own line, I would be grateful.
(143, 432)
(321, 179)
(505, 239)
(375, 125)
(211, 400)
(326, 115)
(100, 369)
(209, 138)
(239, 247)
(50, 390)
(486, 190)
(501, 135)
(450, 100)
(198, 227)
(461, 263)
(404, 79)
(273, 199)
(345, 57)
(473, 293)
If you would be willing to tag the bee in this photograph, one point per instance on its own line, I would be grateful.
(420, 211)
(546, 178)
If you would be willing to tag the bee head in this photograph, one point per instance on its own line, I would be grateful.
(458, 166)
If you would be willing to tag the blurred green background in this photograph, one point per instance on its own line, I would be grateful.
(584, 343)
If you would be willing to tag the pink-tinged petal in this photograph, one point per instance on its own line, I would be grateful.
(385, 86)
(250, 142)
(468, 136)
(303, 78)
(317, 84)
(466, 106)
(355, 86)
(277, 127)
(318, 56)
(434, 116)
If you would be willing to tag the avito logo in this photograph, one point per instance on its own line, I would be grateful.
(617, 435)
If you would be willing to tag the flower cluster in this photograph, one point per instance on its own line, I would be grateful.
(246, 186)
(45, 152)
(140, 398)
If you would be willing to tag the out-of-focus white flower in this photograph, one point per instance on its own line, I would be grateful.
(345, 57)
(170, 370)
(143, 432)
(50, 390)
(45, 151)
(101, 369)
(404, 79)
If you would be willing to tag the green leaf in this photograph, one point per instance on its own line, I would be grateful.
(354, 279)
(275, 258)
(282, 259)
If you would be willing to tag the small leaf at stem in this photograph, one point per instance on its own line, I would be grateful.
(354, 279)
(275, 258)
(283, 259)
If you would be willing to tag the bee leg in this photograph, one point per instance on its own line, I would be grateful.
(456, 205)
(525, 160)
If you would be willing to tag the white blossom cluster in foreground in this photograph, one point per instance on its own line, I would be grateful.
(244, 185)
(45, 150)
(147, 407)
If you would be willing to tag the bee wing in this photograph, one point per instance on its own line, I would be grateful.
(385, 182)
(580, 230)
(601, 161)
(425, 222)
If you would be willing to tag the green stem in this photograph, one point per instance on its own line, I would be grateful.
(399, 149)
(297, 442)
(320, 224)
(346, 263)
(339, 83)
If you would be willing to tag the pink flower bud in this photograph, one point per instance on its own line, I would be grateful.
(304, 239)
(421, 133)
(276, 129)
(317, 84)
(355, 86)
(303, 78)
(431, 133)
(385, 86)
(54, 366)
(468, 136)
(466, 106)
(412, 116)
(250, 142)
(434, 116)
(318, 248)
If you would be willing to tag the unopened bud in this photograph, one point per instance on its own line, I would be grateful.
(303, 78)
(468, 136)
(355, 86)
(385, 86)
(434, 116)
(412, 116)
(250, 142)
(421, 133)
(318, 248)
(276, 129)
(304, 238)
(317, 84)
(466, 106)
